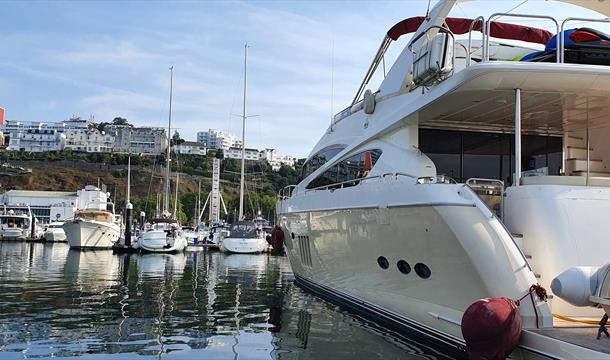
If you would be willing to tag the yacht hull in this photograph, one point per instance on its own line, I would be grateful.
(438, 258)
(14, 234)
(243, 245)
(89, 234)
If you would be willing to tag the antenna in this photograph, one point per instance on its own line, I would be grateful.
(332, 83)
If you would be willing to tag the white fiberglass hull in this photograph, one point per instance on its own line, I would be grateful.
(158, 241)
(90, 234)
(406, 258)
(55, 235)
(14, 234)
(243, 245)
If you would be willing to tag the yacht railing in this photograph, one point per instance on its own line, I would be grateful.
(491, 191)
(290, 190)
(480, 19)
(560, 36)
(487, 33)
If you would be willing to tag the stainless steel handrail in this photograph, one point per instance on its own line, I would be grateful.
(341, 184)
(489, 21)
(472, 24)
(560, 36)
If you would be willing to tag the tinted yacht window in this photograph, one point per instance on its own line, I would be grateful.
(318, 160)
(353, 168)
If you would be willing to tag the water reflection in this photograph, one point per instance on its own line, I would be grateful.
(61, 303)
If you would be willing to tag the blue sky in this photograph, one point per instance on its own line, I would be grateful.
(111, 59)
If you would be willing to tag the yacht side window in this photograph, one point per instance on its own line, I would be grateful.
(354, 168)
(318, 160)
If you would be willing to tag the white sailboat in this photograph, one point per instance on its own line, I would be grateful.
(165, 234)
(244, 236)
(94, 225)
(376, 225)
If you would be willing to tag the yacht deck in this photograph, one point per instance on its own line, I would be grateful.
(584, 336)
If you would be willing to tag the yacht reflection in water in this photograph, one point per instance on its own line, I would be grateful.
(62, 303)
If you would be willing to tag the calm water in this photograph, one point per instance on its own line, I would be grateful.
(56, 302)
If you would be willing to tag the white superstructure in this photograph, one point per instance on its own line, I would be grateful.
(377, 224)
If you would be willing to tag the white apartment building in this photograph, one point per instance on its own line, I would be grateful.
(276, 161)
(235, 153)
(190, 148)
(89, 140)
(47, 206)
(14, 126)
(37, 140)
(138, 140)
(218, 140)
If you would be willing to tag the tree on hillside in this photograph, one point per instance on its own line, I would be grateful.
(176, 139)
(102, 126)
(120, 121)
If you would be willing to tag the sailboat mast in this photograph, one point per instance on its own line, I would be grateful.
(243, 137)
(176, 199)
(169, 141)
(197, 216)
(128, 178)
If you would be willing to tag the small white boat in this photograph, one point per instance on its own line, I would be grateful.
(192, 235)
(16, 223)
(216, 234)
(245, 238)
(54, 232)
(164, 236)
(94, 226)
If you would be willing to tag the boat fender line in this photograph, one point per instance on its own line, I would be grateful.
(542, 295)
(571, 319)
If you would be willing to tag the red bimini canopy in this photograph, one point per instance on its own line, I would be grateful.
(462, 26)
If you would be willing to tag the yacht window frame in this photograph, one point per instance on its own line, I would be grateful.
(335, 167)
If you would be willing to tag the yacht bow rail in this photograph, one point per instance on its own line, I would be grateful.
(290, 190)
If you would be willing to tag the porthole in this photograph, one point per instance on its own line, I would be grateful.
(422, 270)
(383, 262)
(403, 267)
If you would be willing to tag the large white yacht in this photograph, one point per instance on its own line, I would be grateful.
(94, 225)
(478, 169)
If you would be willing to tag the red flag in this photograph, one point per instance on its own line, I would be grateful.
(1, 116)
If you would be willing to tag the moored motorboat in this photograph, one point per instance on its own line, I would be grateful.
(54, 232)
(467, 175)
(94, 225)
(164, 236)
(244, 238)
(17, 223)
